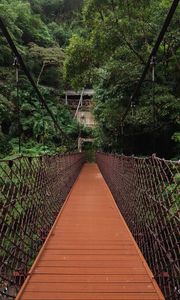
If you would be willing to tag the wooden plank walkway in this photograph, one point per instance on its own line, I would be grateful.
(90, 253)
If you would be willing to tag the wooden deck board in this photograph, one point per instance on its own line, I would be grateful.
(90, 253)
(89, 296)
(90, 278)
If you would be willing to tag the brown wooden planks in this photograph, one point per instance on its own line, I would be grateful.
(89, 296)
(90, 278)
(84, 257)
(88, 271)
(90, 253)
(90, 287)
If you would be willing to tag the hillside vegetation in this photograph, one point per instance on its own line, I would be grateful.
(103, 44)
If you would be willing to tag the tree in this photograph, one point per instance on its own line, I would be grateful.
(120, 36)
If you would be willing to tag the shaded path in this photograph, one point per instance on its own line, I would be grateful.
(90, 253)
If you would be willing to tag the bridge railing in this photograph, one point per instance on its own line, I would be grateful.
(147, 193)
(32, 191)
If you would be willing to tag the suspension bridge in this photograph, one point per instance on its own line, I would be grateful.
(88, 249)
(74, 230)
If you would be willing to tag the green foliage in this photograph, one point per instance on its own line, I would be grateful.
(23, 24)
(55, 9)
(110, 54)
(106, 46)
(39, 29)
(5, 146)
(5, 107)
(176, 139)
(47, 64)
(53, 55)
(79, 62)
(61, 33)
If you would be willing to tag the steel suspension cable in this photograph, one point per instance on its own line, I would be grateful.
(26, 71)
(151, 56)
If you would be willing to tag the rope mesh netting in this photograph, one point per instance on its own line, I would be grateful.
(147, 193)
(32, 191)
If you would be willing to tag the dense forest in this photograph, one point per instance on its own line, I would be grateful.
(102, 44)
